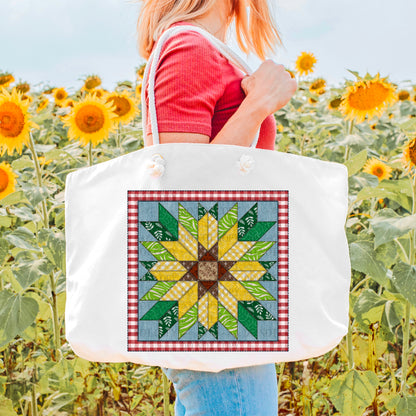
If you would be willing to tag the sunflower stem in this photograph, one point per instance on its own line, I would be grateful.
(55, 318)
(347, 148)
(350, 346)
(166, 411)
(39, 178)
(90, 154)
(406, 324)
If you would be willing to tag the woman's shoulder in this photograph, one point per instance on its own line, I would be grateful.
(192, 44)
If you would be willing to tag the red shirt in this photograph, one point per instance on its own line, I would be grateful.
(197, 90)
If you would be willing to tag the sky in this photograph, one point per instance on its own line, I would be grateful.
(60, 42)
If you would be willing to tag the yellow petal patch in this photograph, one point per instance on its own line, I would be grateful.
(208, 310)
(188, 241)
(248, 275)
(238, 291)
(168, 270)
(177, 250)
(203, 230)
(188, 300)
(238, 250)
(177, 291)
(227, 241)
(247, 270)
(203, 310)
(212, 231)
(229, 301)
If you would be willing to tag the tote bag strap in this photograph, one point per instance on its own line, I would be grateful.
(150, 72)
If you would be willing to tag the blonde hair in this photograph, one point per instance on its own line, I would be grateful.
(256, 33)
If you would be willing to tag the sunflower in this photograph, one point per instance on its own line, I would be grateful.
(312, 100)
(377, 168)
(138, 91)
(409, 156)
(23, 87)
(49, 91)
(14, 121)
(305, 62)
(280, 128)
(59, 95)
(43, 104)
(140, 72)
(334, 103)
(403, 95)
(292, 74)
(27, 97)
(126, 106)
(318, 86)
(99, 92)
(6, 79)
(91, 120)
(367, 97)
(7, 180)
(68, 103)
(91, 82)
(373, 126)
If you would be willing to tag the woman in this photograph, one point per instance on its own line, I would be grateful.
(201, 97)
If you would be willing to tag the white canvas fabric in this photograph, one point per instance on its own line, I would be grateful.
(206, 257)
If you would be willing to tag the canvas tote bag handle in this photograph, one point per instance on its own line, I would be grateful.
(150, 72)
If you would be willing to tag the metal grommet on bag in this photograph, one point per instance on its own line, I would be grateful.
(156, 165)
(245, 164)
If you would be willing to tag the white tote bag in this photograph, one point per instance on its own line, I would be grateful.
(206, 256)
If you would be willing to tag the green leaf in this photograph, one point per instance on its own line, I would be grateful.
(249, 312)
(188, 221)
(158, 230)
(389, 321)
(257, 290)
(256, 232)
(214, 211)
(158, 290)
(157, 250)
(55, 247)
(368, 308)
(188, 320)
(257, 250)
(363, 259)
(352, 392)
(404, 279)
(406, 406)
(168, 320)
(201, 330)
(388, 225)
(214, 330)
(4, 249)
(397, 190)
(356, 162)
(227, 221)
(28, 273)
(158, 310)
(17, 312)
(201, 211)
(6, 407)
(247, 320)
(13, 198)
(247, 221)
(23, 238)
(227, 320)
(168, 221)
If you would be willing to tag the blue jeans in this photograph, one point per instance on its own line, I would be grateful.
(247, 391)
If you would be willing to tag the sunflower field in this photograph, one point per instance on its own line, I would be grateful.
(367, 123)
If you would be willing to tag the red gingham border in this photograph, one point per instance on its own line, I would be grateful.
(283, 270)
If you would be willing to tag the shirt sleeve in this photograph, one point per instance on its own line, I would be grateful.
(188, 84)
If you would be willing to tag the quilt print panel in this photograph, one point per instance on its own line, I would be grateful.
(207, 270)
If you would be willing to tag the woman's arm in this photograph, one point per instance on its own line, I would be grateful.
(267, 90)
(240, 129)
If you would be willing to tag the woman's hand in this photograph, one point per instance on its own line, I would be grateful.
(269, 88)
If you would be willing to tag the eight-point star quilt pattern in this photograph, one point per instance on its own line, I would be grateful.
(207, 270)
